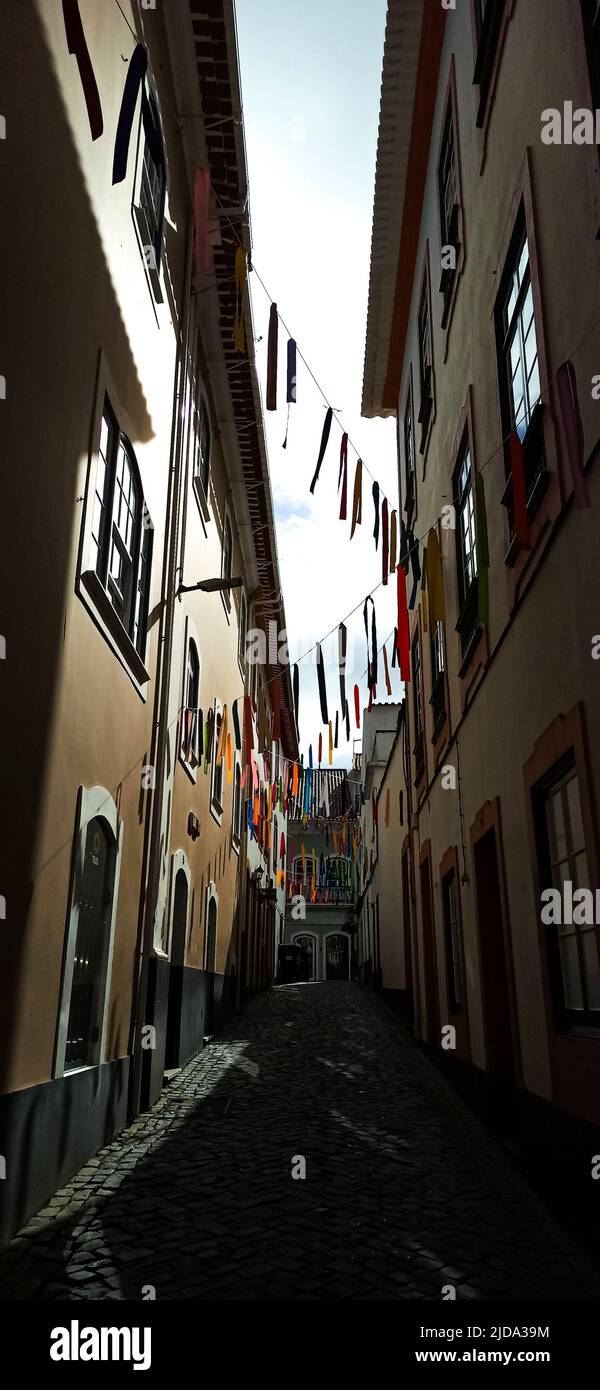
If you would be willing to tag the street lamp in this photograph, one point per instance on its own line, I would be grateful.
(211, 586)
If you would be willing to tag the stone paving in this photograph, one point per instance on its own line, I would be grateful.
(405, 1193)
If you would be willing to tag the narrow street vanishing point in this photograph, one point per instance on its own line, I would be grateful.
(404, 1196)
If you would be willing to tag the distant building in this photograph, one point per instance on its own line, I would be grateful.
(384, 942)
(323, 848)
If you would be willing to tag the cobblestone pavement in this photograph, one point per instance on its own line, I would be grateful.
(404, 1191)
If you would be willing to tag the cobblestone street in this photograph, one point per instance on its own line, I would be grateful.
(404, 1191)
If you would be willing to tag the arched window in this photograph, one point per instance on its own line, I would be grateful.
(217, 770)
(191, 694)
(153, 185)
(212, 913)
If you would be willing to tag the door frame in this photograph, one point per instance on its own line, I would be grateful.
(93, 803)
(335, 931)
(489, 818)
(316, 954)
(430, 957)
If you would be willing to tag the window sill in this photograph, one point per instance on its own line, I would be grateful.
(96, 600)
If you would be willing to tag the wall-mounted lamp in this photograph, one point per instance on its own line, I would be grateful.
(212, 586)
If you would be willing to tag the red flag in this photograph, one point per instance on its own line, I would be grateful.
(519, 494)
(248, 724)
(357, 705)
(403, 641)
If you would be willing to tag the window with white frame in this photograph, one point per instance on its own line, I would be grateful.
(216, 797)
(517, 345)
(121, 532)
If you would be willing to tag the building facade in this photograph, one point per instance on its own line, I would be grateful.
(481, 324)
(322, 880)
(132, 423)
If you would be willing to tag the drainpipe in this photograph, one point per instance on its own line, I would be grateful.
(164, 664)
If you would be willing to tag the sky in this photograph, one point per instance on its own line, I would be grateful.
(311, 76)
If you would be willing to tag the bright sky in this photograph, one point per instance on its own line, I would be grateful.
(311, 76)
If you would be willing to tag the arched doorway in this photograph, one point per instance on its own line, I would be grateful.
(177, 962)
(337, 956)
(90, 956)
(308, 944)
(210, 960)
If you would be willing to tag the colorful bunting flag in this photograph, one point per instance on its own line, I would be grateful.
(271, 393)
(403, 628)
(357, 499)
(343, 477)
(435, 579)
(393, 540)
(322, 686)
(323, 446)
(376, 505)
(385, 554)
(519, 494)
(566, 383)
(136, 73)
(77, 45)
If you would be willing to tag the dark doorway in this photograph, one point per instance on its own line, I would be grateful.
(408, 1009)
(86, 1008)
(496, 1006)
(178, 934)
(432, 1006)
(211, 960)
(337, 957)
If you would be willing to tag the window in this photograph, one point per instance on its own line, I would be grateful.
(488, 23)
(242, 630)
(438, 692)
(202, 444)
(466, 554)
(189, 723)
(417, 675)
(590, 13)
(517, 342)
(409, 458)
(519, 373)
(452, 940)
(573, 949)
(217, 769)
(150, 204)
(425, 362)
(227, 560)
(237, 806)
(449, 207)
(121, 535)
(465, 525)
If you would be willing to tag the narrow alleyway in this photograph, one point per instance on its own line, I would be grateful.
(404, 1191)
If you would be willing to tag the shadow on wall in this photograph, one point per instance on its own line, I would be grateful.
(60, 307)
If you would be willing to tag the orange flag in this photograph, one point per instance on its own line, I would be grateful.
(295, 780)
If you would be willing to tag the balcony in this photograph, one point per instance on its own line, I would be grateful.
(537, 478)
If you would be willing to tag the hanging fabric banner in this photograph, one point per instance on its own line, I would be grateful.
(282, 849)
(331, 741)
(357, 705)
(395, 648)
(424, 597)
(343, 477)
(376, 506)
(416, 569)
(347, 723)
(566, 383)
(322, 686)
(77, 46)
(385, 553)
(296, 693)
(404, 559)
(220, 754)
(236, 724)
(136, 73)
(310, 758)
(386, 670)
(435, 579)
(483, 553)
(320, 756)
(248, 735)
(240, 274)
(276, 688)
(342, 640)
(290, 390)
(403, 628)
(271, 394)
(357, 499)
(322, 446)
(295, 780)
(372, 661)
(229, 759)
(393, 540)
(336, 729)
(519, 493)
